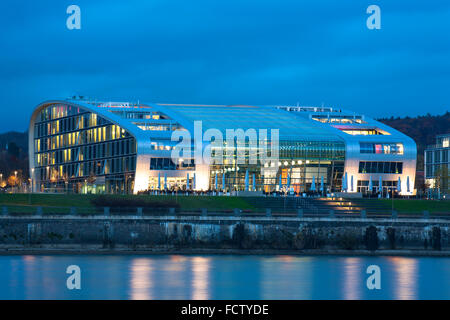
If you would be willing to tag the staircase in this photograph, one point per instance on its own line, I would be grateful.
(321, 206)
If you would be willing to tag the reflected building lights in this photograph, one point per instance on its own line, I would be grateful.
(173, 275)
(405, 269)
(200, 278)
(297, 278)
(141, 284)
(31, 274)
(352, 279)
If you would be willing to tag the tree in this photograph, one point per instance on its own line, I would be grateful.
(13, 180)
(13, 149)
(441, 177)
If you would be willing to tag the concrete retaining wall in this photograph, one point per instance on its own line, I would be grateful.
(224, 232)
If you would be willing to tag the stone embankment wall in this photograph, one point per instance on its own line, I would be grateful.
(176, 232)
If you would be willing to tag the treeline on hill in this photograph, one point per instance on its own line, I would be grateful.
(13, 158)
(423, 129)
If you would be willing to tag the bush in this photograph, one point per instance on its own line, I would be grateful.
(347, 241)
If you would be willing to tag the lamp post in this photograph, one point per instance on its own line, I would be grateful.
(31, 180)
(392, 193)
(15, 180)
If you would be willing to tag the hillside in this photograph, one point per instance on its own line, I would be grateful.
(13, 156)
(20, 139)
(423, 129)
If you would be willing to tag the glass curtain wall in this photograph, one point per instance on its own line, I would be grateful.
(79, 151)
(300, 160)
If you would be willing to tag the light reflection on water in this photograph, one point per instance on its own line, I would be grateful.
(406, 274)
(200, 278)
(141, 279)
(352, 278)
(223, 277)
(295, 283)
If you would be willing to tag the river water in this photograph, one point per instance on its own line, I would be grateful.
(223, 277)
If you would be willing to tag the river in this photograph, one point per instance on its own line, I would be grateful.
(223, 277)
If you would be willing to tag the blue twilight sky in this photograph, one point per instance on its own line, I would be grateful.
(227, 52)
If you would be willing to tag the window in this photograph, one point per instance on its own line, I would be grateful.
(162, 164)
(437, 156)
(167, 164)
(381, 148)
(380, 167)
(361, 131)
(429, 157)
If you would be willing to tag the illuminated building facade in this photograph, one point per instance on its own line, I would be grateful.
(437, 163)
(110, 147)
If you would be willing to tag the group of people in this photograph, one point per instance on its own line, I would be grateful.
(178, 191)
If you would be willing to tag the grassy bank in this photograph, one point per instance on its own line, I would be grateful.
(415, 205)
(84, 201)
(61, 203)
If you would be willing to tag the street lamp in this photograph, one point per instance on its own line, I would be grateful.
(15, 180)
(31, 180)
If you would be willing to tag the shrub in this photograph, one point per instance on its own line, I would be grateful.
(347, 241)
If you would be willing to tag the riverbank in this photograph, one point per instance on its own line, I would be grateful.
(225, 235)
(92, 250)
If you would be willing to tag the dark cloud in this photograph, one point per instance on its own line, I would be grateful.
(255, 52)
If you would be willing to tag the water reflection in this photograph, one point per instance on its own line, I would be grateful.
(286, 277)
(406, 277)
(223, 277)
(174, 276)
(30, 275)
(352, 278)
(47, 278)
(200, 278)
(140, 279)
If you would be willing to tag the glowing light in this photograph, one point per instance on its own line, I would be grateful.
(140, 282)
(406, 271)
(200, 275)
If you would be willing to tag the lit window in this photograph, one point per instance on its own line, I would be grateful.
(446, 143)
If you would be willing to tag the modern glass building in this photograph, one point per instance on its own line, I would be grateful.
(437, 163)
(85, 146)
